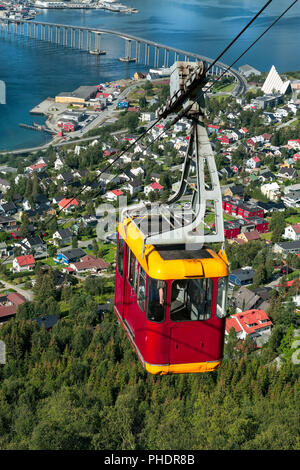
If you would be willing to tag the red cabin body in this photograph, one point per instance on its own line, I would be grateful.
(165, 341)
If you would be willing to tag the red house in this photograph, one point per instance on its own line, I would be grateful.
(69, 126)
(67, 204)
(261, 224)
(231, 229)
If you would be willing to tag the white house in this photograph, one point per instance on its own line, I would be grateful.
(147, 116)
(292, 232)
(271, 191)
(23, 263)
(113, 195)
(153, 187)
(59, 162)
(253, 162)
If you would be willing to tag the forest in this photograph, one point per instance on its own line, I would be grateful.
(79, 386)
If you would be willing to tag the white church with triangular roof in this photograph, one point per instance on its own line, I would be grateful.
(274, 83)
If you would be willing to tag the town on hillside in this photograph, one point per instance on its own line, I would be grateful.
(51, 202)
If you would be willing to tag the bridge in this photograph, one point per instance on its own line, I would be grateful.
(85, 39)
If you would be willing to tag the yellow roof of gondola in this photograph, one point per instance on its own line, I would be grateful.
(209, 265)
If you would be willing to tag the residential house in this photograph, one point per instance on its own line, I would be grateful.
(147, 116)
(270, 207)
(33, 244)
(67, 205)
(88, 220)
(266, 175)
(254, 323)
(236, 191)
(260, 224)
(292, 232)
(271, 191)
(69, 256)
(249, 236)
(288, 173)
(153, 187)
(294, 143)
(67, 178)
(59, 162)
(113, 195)
(231, 229)
(245, 299)
(90, 264)
(134, 186)
(8, 208)
(23, 263)
(291, 199)
(138, 171)
(36, 168)
(226, 172)
(4, 251)
(253, 162)
(63, 237)
(7, 223)
(285, 248)
(9, 305)
(241, 277)
(4, 185)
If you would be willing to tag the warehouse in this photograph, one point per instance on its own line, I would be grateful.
(80, 95)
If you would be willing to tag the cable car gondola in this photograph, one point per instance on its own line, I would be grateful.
(171, 286)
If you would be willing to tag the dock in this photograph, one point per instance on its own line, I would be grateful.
(37, 127)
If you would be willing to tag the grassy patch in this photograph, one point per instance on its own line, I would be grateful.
(266, 236)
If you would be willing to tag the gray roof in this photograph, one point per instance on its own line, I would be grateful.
(65, 233)
(74, 253)
(245, 299)
(243, 274)
(289, 245)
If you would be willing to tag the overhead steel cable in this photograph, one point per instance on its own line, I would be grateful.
(238, 36)
(253, 43)
(160, 118)
(179, 116)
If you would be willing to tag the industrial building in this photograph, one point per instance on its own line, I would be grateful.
(80, 95)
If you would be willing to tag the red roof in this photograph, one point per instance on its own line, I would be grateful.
(26, 260)
(296, 228)
(116, 192)
(250, 321)
(37, 166)
(16, 298)
(256, 159)
(156, 186)
(89, 262)
(8, 311)
(224, 139)
(65, 203)
(233, 323)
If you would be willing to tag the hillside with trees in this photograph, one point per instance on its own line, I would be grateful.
(80, 386)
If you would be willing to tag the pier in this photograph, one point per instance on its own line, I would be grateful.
(84, 39)
(37, 127)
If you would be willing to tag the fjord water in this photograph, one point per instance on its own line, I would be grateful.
(34, 71)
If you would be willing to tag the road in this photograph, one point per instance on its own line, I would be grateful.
(285, 124)
(28, 294)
